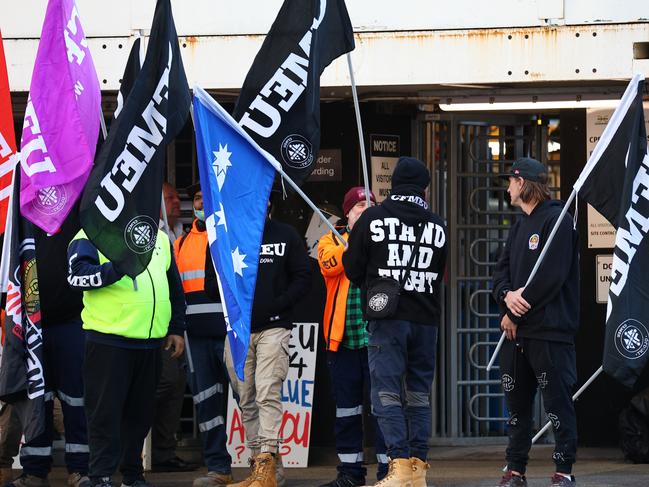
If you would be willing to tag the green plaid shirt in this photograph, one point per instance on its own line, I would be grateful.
(355, 336)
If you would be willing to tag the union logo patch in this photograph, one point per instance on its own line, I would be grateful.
(632, 339)
(297, 151)
(50, 200)
(140, 234)
(378, 302)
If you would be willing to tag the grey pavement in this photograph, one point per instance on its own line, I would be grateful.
(475, 466)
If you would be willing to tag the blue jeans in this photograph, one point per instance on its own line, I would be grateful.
(402, 349)
(208, 384)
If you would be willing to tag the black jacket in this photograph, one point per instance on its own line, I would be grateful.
(60, 304)
(283, 278)
(554, 292)
(381, 243)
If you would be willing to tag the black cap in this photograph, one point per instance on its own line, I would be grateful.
(193, 189)
(528, 169)
(410, 171)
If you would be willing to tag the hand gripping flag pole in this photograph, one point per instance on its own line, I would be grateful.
(536, 267)
(597, 154)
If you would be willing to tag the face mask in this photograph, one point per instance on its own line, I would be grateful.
(200, 214)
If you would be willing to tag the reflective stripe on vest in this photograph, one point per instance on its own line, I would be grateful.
(190, 259)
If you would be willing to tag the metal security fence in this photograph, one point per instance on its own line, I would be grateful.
(466, 157)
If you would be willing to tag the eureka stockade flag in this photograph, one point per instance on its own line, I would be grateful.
(279, 104)
(236, 179)
(616, 183)
(120, 207)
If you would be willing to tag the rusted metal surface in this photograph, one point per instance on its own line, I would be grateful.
(422, 58)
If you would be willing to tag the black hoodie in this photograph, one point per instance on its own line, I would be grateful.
(554, 292)
(381, 243)
(283, 277)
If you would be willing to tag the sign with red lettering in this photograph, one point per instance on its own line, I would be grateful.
(297, 398)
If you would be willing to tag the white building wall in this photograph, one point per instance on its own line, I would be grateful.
(404, 43)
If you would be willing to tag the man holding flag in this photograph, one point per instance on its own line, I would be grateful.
(540, 320)
(239, 178)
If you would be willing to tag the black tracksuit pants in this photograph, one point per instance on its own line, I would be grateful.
(526, 364)
(120, 395)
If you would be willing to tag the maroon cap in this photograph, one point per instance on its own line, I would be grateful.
(353, 196)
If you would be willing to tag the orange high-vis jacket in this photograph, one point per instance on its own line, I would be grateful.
(191, 261)
(330, 253)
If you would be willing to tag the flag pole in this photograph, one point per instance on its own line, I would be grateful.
(271, 159)
(306, 199)
(359, 123)
(536, 267)
(574, 398)
(6, 244)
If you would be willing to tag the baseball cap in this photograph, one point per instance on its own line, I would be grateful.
(528, 169)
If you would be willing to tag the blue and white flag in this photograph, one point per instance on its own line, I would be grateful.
(236, 179)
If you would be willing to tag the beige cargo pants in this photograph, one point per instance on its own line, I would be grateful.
(260, 393)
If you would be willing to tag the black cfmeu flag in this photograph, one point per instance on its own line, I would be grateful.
(22, 381)
(618, 187)
(279, 104)
(131, 72)
(120, 207)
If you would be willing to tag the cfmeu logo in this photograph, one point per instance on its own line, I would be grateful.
(50, 200)
(632, 339)
(140, 234)
(297, 151)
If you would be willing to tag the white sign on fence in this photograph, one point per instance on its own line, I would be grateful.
(297, 397)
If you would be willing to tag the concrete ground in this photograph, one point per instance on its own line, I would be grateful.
(456, 466)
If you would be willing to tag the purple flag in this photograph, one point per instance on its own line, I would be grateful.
(61, 120)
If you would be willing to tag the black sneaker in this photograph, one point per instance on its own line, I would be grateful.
(512, 480)
(344, 481)
(561, 481)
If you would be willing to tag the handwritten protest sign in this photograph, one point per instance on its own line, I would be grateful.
(297, 398)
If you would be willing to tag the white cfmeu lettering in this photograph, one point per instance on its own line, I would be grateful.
(141, 145)
(633, 229)
(93, 280)
(278, 249)
(284, 88)
(75, 42)
(78, 89)
(35, 158)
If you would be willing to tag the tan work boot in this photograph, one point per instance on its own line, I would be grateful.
(263, 474)
(213, 479)
(399, 474)
(419, 469)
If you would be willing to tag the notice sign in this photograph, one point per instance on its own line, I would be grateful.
(297, 399)
(328, 166)
(384, 154)
(601, 234)
(604, 266)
